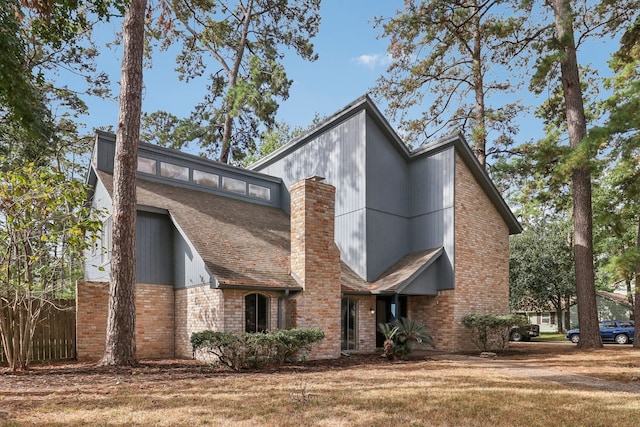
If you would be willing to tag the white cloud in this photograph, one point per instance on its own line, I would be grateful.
(373, 61)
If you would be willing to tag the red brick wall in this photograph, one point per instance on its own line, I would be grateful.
(92, 304)
(366, 324)
(424, 309)
(315, 263)
(154, 320)
(196, 309)
(481, 263)
(201, 308)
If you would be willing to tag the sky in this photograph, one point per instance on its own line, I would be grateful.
(351, 58)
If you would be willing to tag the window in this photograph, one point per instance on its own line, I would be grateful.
(205, 178)
(259, 192)
(105, 240)
(170, 170)
(545, 319)
(256, 309)
(234, 185)
(349, 310)
(146, 165)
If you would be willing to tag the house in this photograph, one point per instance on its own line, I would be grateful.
(342, 228)
(611, 306)
(544, 315)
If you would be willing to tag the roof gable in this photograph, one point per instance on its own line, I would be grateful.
(455, 140)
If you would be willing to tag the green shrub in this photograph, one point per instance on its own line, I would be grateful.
(491, 331)
(402, 335)
(245, 350)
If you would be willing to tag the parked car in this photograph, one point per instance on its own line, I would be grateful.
(619, 331)
(517, 334)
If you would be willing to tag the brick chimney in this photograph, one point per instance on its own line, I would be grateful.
(315, 262)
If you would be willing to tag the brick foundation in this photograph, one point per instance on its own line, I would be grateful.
(154, 320)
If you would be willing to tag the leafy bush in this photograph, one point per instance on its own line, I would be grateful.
(402, 335)
(491, 331)
(245, 350)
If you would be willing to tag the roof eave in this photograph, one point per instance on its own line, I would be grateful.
(362, 103)
(257, 287)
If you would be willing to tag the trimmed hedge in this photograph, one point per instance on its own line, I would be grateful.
(491, 331)
(245, 350)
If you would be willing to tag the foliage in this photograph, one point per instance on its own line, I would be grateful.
(241, 45)
(541, 269)
(247, 350)
(20, 99)
(616, 202)
(43, 228)
(491, 331)
(50, 50)
(451, 50)
(557, 66)
(402, 335)
(389, 331)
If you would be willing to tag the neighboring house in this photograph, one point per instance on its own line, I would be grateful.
(343, 228)
(545, 316)
(611, 306)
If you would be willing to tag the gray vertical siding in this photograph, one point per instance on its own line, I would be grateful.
(387, 174)
(387, 242)
(431, 280)
(106, 153)
(154, 248)
(431, 208)
(190, 269)
(387, 203)
(338, 155)
(94, 267)
(350, 233)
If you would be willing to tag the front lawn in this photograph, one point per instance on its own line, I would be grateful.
(435, 389)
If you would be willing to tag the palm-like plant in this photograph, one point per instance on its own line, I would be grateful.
(389, 331)
(401, 335)
(411, 332)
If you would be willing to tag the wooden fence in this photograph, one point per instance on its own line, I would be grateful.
(55, 335)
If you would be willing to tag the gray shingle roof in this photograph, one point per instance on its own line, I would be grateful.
(241, 243)
(248, 245)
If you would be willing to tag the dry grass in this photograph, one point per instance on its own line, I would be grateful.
(526, 387)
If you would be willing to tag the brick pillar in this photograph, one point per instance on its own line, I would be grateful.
(315, 262)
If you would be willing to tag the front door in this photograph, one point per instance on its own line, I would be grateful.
(388, 308)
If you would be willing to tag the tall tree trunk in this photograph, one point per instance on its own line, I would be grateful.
(636, 302)
(120, 342)
(232, 74)
(567, 312)
(479, 136)
(558, 306)
(630, 291)
(581, 180)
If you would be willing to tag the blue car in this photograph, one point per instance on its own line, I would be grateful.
(618, 331)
